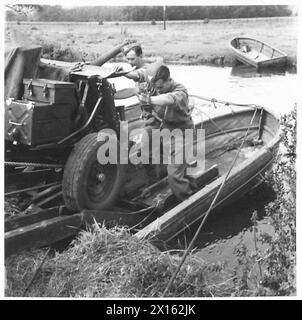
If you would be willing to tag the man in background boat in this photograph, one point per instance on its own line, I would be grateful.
(169, 101)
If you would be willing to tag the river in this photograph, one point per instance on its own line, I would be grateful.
(274, 90)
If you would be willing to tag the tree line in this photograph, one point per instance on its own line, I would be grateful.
(142, 13)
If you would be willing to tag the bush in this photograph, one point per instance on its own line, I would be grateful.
(280, 257)
(56, 52)
(276, 262)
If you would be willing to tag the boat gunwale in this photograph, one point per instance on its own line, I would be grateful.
(246, 109)
(196, 199)
(223, 199)
(284, 55)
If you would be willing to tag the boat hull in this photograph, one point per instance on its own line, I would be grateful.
(256, 53)
(242, 178)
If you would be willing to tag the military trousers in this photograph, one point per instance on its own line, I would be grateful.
(173, 155)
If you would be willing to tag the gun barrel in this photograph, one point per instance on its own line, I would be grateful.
(107, 56)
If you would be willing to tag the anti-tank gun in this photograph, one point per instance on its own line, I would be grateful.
(53, 113)
(54, 183)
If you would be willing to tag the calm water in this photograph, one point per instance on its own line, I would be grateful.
(279, 91)
(240, 85)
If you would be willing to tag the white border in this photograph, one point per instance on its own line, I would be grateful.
(187, 3)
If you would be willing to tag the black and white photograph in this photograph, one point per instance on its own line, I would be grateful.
(150, 152)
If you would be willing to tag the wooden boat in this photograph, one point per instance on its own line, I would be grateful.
(223, 134)
(257, 53)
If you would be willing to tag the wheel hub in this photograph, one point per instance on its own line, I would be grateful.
(100, 177)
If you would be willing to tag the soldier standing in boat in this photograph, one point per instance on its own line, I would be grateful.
(165, 104)
(170, 110)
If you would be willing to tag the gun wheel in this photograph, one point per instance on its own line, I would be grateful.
(87, 184)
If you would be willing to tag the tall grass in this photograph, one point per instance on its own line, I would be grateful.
(109, 263)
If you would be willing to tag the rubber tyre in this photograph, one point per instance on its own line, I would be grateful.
(81, 188)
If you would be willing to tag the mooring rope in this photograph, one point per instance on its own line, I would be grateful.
(209, 210)
(216, 125)
(227, 103)
(232, 138)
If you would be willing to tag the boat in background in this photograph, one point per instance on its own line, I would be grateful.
(256, 53)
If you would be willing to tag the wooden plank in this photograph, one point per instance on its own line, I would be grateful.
(33, 188)
(202, 178)
(42, 233)
(28, 219)
(56, 228)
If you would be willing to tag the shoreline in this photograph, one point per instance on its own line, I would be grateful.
(226, 60)
(183, 42)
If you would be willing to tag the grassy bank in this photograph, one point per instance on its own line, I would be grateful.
(107, 263)
(192, 42)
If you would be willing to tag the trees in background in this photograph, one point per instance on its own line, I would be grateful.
(142, 13)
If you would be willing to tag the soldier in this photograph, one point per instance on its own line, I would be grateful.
(140, 75)
(171, 107)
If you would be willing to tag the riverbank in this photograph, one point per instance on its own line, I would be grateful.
(183, 42)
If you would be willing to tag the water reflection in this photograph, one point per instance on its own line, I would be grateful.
(230, 221)
(251, 72)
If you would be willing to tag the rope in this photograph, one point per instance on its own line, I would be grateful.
(213, 100)
(232, 138)
(216, 125)
(209, 210)
(227, 103)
